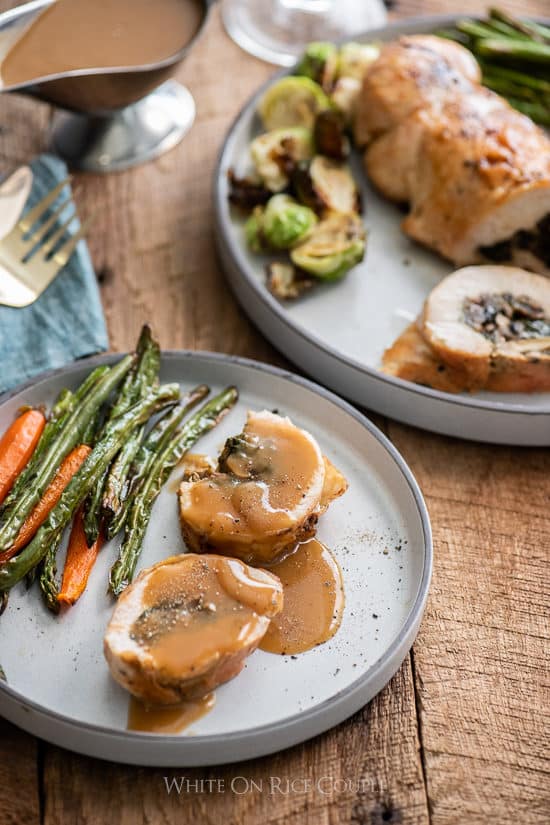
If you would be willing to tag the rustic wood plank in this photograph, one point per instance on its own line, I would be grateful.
(479, 660)
(19, 779)
(23, 126)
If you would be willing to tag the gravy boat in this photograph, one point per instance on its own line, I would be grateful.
(115, 117)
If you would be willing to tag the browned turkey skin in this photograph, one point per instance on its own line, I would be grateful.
(474, 171)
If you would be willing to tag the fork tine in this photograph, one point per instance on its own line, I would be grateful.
(27, 222)
(65, 251)
(40, 233)
(50, 244)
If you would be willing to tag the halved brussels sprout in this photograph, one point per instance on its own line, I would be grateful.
(327, 185)
(282, 223)
(320, 63)
(276, 153)
(335, 245)
(356, 59)
(286, 222)
(292, 101)
(330, 137)
(285, 281)
(334, 184)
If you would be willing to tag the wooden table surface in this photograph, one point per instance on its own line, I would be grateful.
(460, 735)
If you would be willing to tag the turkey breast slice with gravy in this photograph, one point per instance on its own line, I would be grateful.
(187, 625)
(270, 486)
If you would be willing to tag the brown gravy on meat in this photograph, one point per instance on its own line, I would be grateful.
(73, 35)
(242, 497)
(167, 720)
(313, 604)
(248, 506)
(192, 615)
(312, 612)
(183, 634)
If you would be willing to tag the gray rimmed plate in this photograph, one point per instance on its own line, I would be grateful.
(338, 332)
(59, 687)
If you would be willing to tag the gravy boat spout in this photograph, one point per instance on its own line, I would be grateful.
(115, 117)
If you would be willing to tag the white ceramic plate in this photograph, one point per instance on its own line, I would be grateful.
(59, 686)
(338, 332)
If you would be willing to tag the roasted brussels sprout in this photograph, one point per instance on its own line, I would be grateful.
(356, 59)
(285, 222)
(292, 101)
(326, 185)
(320, 63)
(334, 184)
(246, 193)
(276, 153)
(329, 134)
(285, 281)
(335, 245)
(282, 223)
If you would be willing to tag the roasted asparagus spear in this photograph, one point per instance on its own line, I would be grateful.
(155, 440)
(138, 382)
(157, 471)
(514, 54)
(48, 570)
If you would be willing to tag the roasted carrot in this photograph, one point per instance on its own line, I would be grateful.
(66, 471)
(16, 447)
(79, 562)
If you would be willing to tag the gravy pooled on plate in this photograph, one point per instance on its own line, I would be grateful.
(313, 604)
(72, 35)
(168, 719)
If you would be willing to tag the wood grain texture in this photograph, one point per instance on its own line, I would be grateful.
(458, 735)
(19, 777)
(482, 684)
(23, 125)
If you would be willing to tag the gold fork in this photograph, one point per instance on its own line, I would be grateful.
(30, 260)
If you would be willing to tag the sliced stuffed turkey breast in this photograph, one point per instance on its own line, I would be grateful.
(187, 625)
(270, 486)
(479, 184)
(474, 172)
(493, 324)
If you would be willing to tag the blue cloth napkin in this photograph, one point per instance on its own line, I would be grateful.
(66, 322)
